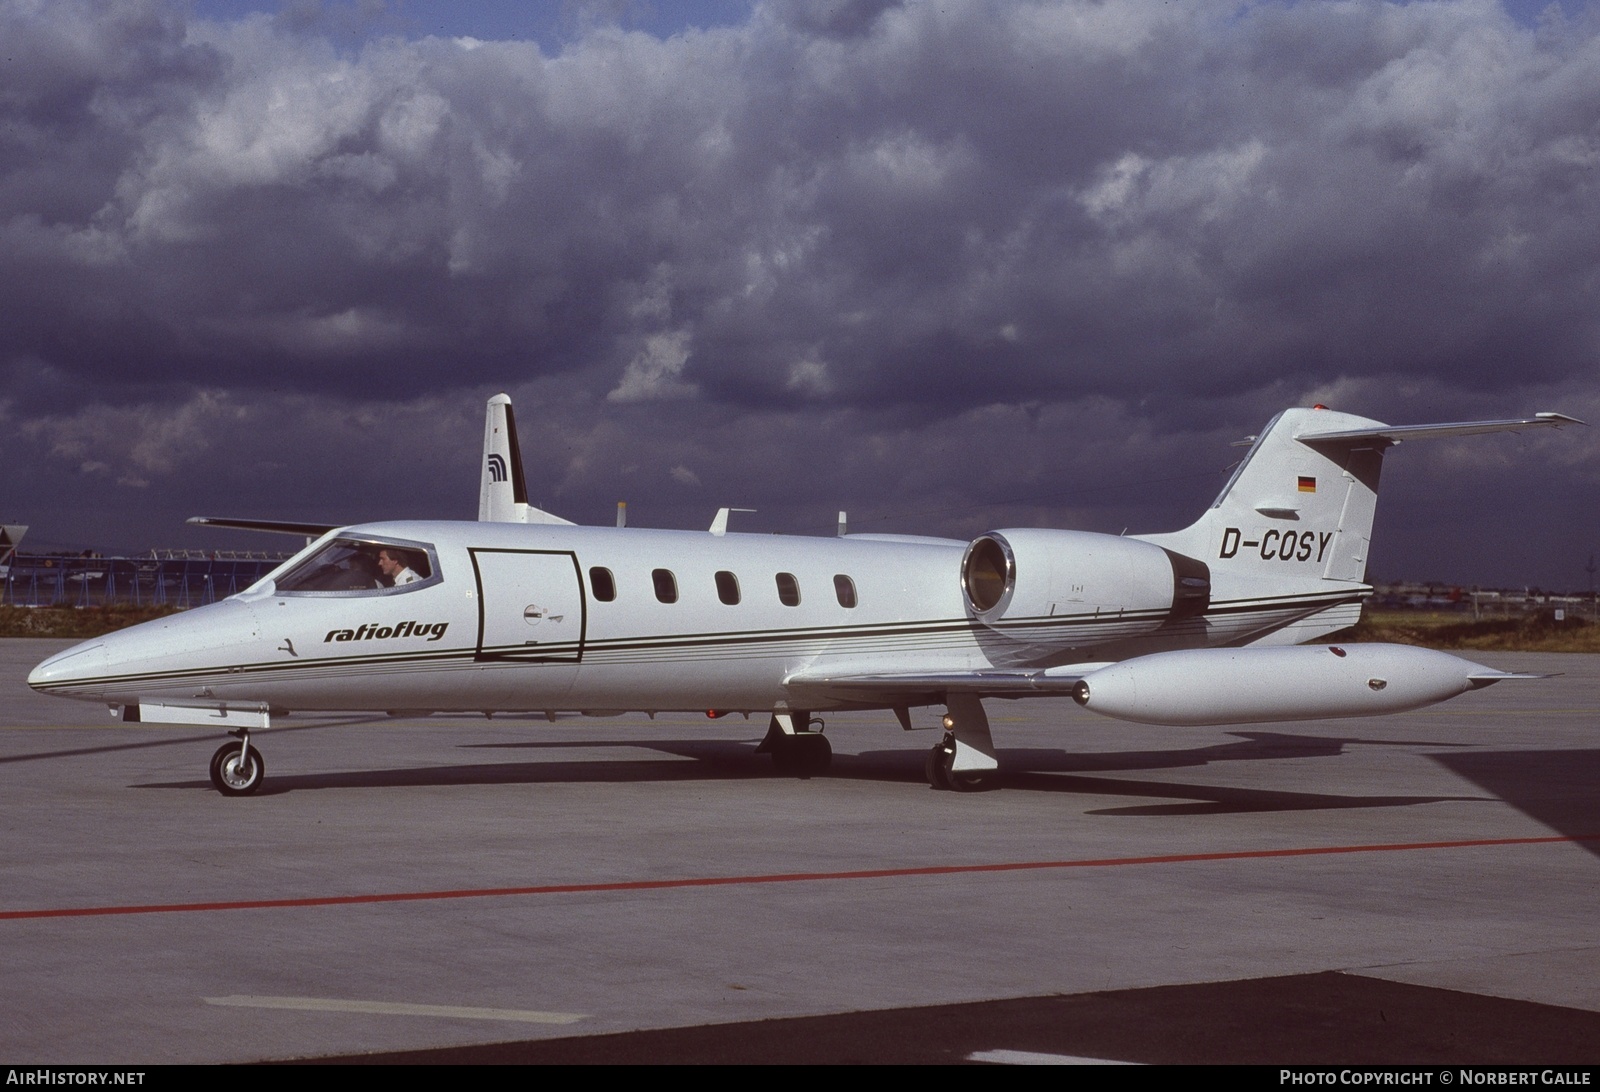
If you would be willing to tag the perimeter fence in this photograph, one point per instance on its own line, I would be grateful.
(180, 580)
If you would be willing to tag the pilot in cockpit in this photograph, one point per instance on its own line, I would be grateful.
(396, 573)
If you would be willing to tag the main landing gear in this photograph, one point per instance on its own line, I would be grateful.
(237, 768)
(942, 774)
(964, 760)
(797, 752)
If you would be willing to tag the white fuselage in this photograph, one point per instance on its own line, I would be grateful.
(523, 612)
(544, 618)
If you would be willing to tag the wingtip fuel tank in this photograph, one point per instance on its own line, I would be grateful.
(1300, 682)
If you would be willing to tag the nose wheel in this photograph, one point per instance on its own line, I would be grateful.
(237, 768)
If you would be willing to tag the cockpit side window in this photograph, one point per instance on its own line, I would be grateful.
(351, 566)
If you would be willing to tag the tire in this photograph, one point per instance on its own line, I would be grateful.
(785, 756)
(972, 780)
(937, 766)
(815, 753)
(233, 777)
(802, 754)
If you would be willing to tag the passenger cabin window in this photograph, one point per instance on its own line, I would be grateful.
(666, 585)
(845, 589)
(349, 566)
(788, 590)
(603, 584)
(728, 588)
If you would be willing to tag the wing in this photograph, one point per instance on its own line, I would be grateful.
(280, 527)
(1194, 686)
(931, 687)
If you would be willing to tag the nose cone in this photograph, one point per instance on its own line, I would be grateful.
(169, 657)
(77, 672)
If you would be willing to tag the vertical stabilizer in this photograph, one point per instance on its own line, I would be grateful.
(1295, 520)
(503, 493)
(1298, 507)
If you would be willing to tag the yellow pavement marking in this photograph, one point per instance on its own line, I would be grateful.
(393, 1008)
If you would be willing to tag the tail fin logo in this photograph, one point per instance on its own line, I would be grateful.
(497, 467)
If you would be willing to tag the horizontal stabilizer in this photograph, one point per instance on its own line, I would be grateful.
(275, 526)
(1394, 434)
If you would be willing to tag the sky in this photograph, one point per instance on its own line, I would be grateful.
(949, 266)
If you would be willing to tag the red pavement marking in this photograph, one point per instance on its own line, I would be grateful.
(782, 877)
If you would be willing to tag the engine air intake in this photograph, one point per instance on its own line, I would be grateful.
(987, 570)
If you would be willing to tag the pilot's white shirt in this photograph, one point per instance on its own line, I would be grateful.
(405, 576)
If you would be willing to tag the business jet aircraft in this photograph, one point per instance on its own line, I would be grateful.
(522, 611)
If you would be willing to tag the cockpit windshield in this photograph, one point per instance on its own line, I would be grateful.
(355, 566)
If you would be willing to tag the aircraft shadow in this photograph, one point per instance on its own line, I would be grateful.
(1025, 769)
(1059, 771)
(214, 736)
(1248, 747)
(1211, 799)
(714, 760)
(1555, 788)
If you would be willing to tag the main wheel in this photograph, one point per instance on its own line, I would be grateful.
(938, 765)
(802, 754)
(815, 753)
(942, 775)
(972, 780)
(236, 771)
(785, 756)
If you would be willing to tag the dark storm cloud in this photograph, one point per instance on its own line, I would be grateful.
(982, 263)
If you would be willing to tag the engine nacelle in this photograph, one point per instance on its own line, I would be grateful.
(1072, 586)
(1251, 685)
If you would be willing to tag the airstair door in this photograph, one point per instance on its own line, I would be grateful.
(530, 606)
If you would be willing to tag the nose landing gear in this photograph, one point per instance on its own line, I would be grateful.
(237, 768)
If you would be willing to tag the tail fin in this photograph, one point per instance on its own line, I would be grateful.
(1295, 521)
(1295, 508)
(503, 494)
(1302, 502)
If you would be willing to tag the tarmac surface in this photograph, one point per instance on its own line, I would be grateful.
(1409, 889)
